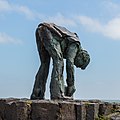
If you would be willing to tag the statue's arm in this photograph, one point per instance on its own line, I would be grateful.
(71, 53)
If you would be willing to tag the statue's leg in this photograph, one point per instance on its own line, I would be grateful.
(42, 74)
(57, 82)
(53, 47)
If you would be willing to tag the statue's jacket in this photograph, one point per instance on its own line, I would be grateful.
(61, 31)
(65, 36)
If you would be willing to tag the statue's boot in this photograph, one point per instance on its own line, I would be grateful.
(36, 95)
(66, 98)
(63, 98)
(33, 97)
(69, 91)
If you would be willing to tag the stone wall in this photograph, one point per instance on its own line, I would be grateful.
(25, 109)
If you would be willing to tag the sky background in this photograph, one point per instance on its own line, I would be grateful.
(97, 23)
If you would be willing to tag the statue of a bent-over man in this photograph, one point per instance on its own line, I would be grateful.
(58, 43)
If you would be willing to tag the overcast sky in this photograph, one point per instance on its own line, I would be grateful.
(97, 23)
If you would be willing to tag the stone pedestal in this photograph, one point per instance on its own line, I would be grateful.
(25, 109)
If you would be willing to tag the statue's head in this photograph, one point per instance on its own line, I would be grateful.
(82, 59)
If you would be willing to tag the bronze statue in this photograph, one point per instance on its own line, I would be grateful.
(58, 43)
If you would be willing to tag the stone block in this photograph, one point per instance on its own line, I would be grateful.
(17, 110)
(92, 111)
(67, 111)
(2, 108)
(105, 109)
(80, 112)
(44, 110)
(3, 103)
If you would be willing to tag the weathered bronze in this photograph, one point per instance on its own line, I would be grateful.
(58, 43)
